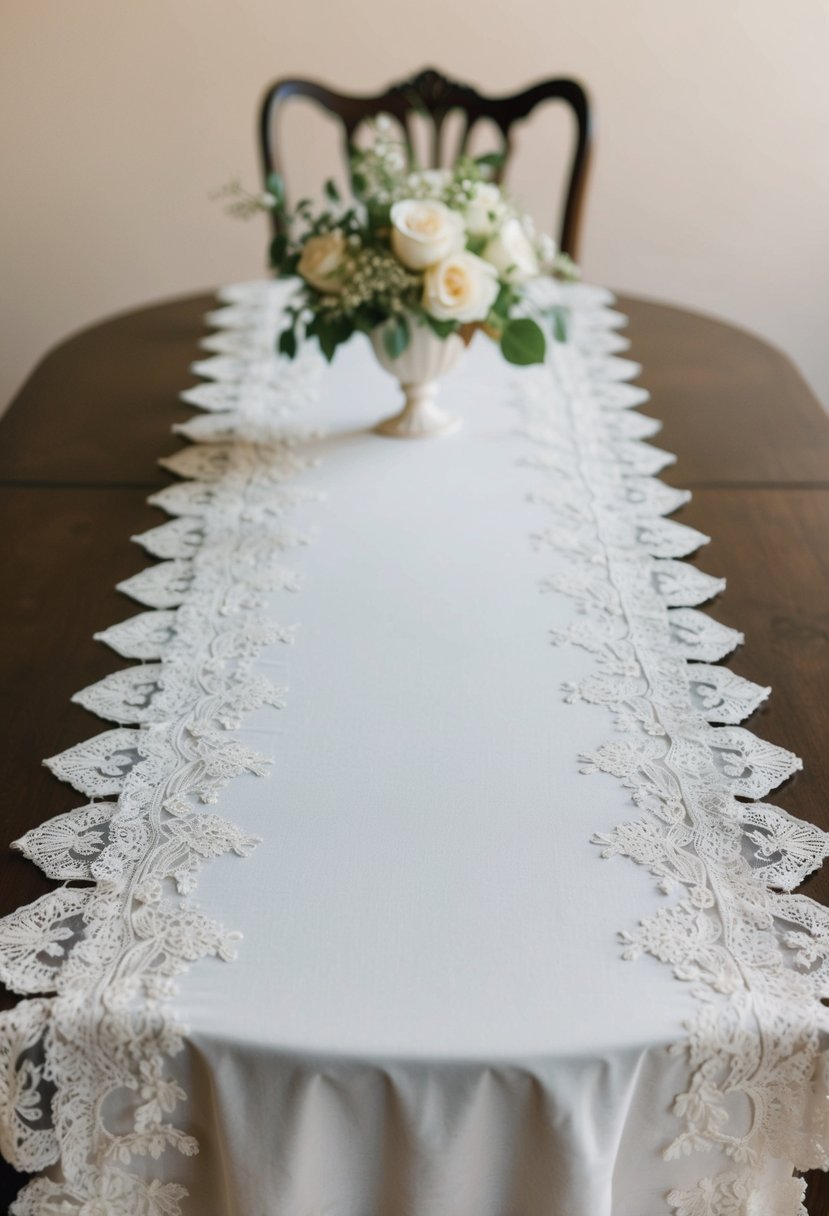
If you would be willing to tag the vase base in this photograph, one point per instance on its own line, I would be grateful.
(419, 419)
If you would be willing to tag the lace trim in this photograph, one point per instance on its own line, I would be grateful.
(99, 960)
(756, 956)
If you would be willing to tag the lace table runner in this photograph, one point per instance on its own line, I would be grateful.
(86, 1081)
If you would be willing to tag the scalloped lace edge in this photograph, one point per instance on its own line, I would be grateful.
(97, 958)
(756, 956)
(105, 948)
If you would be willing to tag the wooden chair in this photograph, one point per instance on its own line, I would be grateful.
(431, 94)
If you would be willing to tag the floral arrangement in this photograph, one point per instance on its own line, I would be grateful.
(442, 248)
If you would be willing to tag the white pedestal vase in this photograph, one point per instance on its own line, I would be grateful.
(418, 368)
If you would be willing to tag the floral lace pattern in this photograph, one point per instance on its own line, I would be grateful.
(756, 956)
(98, 956)
(96, 960)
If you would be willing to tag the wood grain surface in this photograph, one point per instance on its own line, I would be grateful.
(78, 456)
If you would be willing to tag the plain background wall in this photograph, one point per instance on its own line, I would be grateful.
(120, 117)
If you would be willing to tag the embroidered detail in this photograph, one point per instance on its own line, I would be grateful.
(757, 959)
(733, 1195)
(100, 960)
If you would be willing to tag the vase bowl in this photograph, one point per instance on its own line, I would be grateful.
(418, 369)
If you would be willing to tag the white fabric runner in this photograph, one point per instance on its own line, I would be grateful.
(428, 1014)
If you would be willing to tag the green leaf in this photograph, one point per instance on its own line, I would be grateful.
(275, 186)
(395, 336)
(331, 190)
(442, 328)
(331, 332)
(560, 324)
(477, 244)
(504, 300)
(522, 342)
(327, 341)
(367, 318)
(379, 214)
(279, 247)
(287, 343)
(491, 160)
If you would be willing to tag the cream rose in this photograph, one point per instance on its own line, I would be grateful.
(462, 288)
(424, 231)
(485, 209)
(511, 253)
(323, 260)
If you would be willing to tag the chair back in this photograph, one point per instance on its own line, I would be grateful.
(434, 96)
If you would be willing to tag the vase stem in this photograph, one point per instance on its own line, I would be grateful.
(420, 417)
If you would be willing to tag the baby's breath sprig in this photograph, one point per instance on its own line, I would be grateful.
(240, 203)
(564, 268)
(378, 169)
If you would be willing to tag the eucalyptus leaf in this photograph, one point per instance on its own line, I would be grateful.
(331, 190)
(395, 336)
(560, 319)
(275, 186)
(523, 342)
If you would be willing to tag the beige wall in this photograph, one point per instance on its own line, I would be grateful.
(119, 117)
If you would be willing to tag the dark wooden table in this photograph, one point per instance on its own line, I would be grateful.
(78, 457)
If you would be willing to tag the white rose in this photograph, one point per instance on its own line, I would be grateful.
(462, 288)
(424, 231)
(510, 251)
(323, 261)
(485, 209)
